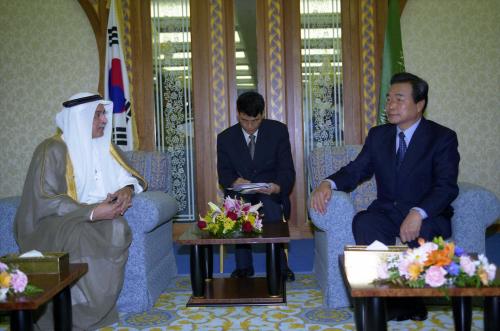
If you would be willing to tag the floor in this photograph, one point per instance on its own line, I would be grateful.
(303, 312)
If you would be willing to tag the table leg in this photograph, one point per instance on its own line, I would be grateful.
(374, 314)
(359, 313)
(208, 261)
(195, 262)
(21, 320)
(462, 313)
(491, 313)
(63, 316)
(273, 270)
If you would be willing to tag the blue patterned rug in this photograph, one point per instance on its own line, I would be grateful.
(303, 312)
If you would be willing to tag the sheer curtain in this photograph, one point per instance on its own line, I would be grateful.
(173, 93)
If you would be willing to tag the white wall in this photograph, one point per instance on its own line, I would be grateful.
(455, 46)
(47, 53)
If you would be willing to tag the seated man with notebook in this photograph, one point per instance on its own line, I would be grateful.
(256, 151)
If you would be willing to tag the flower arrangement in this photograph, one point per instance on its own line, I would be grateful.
(436, 264)
(14, 281)
(235, 216)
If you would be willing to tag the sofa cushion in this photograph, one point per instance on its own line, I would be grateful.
(154, 166)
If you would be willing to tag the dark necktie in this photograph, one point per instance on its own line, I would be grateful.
(251, 145)
(400, 154)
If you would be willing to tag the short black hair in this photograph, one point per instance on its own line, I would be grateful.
(251, 103)
(420, 88)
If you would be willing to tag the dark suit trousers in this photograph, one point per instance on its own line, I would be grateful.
(273, 212)
(384, 225)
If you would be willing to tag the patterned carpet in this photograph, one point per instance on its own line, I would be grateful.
(303, 312)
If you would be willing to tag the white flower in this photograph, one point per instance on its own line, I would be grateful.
(3, 293)
(420, 253)
(214, 207)
(491, 270)
(483, 259)
(255, 208)
(258, 224)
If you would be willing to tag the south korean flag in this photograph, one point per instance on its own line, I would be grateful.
(116, 83)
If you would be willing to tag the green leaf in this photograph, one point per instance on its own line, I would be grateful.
(32, 290)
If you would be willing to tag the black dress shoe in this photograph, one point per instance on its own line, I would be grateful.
(242, 273)
(288, 275)
(419, 313)
(404, 309)
(397, 314)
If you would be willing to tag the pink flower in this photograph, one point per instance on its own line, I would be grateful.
(230, 204)
(382, 271)
(3, 267)
(19, 281)
(435, 276)
(403, 265)
(467, 265)
(202, 224)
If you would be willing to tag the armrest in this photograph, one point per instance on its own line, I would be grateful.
(340, 209)
(8, 209)
(477, 203)
(150, 210)
(475, 209)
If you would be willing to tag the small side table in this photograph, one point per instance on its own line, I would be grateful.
(56, 288)
(369, 303)
(209, 291)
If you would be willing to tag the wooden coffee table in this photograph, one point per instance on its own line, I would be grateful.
(55, 287)
(369, 303)
(209, 291)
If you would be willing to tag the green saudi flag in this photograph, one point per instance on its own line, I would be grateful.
(392, 61)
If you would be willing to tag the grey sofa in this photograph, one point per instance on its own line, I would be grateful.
(475, 209)
(151, 264)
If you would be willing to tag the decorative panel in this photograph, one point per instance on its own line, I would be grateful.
(275, 102)
(369, 106)
(218, 72)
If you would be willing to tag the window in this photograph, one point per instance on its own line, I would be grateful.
(173, 93)
(321, 54)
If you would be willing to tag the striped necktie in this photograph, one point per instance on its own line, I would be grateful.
(251, 145)
(400, 154)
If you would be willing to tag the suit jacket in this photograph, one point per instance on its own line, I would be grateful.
(272, 162)
(427, 178)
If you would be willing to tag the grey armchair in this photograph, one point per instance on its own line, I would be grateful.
(151, 265)
(475, 209)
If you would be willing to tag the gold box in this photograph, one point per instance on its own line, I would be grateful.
(361, 265)
(50, 263)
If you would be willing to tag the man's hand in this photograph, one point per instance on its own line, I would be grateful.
(122, 198)
(240, 180)
(272, 189)
(320, 197)
(410, 228)
(106, 210)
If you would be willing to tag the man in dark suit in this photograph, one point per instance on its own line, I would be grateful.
(257, 150)
(415, 163)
